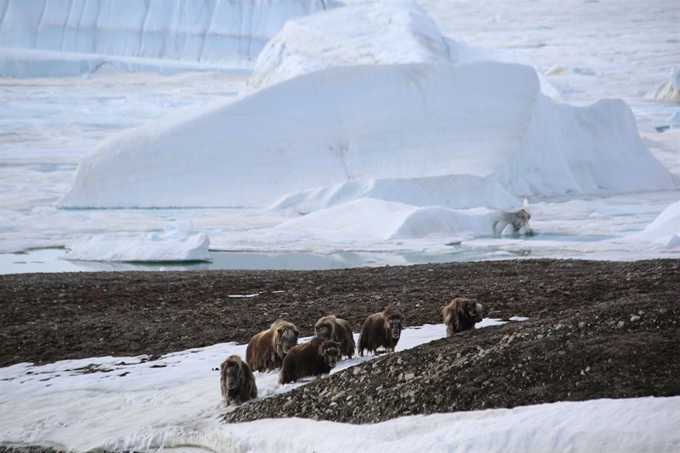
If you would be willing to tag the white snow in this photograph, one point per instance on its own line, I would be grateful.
(370, 219)
(174, 404)
(456, 192)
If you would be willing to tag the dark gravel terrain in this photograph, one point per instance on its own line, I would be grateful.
(595, 329)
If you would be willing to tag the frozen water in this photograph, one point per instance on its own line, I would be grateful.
(48, 125)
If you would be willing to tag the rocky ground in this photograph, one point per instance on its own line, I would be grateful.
(595, 329)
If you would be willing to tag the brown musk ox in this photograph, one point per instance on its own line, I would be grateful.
(317, 356)
(381, 329)
(267, 349)
(337, 329)
(237, 381)
(461, 314)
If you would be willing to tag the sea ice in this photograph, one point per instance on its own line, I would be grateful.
(175, 243)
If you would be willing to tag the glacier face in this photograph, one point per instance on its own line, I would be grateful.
(187, 30)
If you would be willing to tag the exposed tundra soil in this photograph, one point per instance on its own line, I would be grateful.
(595, 329)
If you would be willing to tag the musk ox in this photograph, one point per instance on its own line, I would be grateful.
(518, 219)
(381, 329)
(237, 381)
(267, 349)
(317, 356)
(461, 314)
(339, 330)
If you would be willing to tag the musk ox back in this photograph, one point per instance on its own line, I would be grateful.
(317, 356)
(237, 381)
(339, 330)
(381, 329)
(461, 314)
(267, 349)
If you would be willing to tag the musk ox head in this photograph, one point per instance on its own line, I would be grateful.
(285, 337)
(324, 328)
(393, 322)
(330, 351)
(461, 314)
(476, 312)
(472, 309)
(232, 370)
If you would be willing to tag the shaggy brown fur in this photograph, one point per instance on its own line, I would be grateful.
(461, 314)
(237, 381)
(337, 329)
(381, 329)
(267, 349)
(317, 356)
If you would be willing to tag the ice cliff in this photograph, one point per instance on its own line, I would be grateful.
(186, 30)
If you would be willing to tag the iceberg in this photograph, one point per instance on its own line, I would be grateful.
(370, 219)
(664, 231)
(378, 33)
(374, 33)
(365, 124)
(360, 123)
(177, 242)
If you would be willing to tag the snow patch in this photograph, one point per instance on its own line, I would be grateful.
(366, 219)
(455, 192)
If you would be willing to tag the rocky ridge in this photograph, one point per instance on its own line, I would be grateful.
(613, 350)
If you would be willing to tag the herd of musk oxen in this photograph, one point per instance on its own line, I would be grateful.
(277, 346)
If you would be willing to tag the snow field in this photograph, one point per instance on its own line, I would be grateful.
(174, 404)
